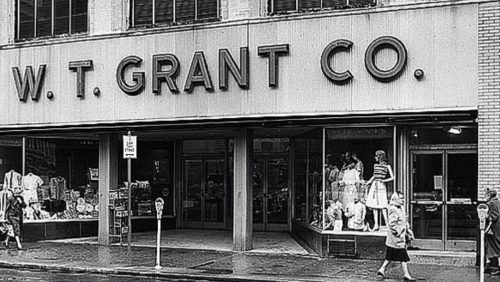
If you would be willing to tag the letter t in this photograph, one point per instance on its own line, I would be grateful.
(80, 67)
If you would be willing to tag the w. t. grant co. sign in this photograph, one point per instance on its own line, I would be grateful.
(166, 68)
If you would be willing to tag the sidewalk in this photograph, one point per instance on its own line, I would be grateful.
(212, 265)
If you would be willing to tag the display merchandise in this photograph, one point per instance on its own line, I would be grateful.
(12, 180)
(31, 185)
(356, 212)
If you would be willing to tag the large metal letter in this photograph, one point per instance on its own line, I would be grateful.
(137, 77)
(273, 52)
(226, 62)
(379, 44)
(198, 73)
(330, 50)
(160, 76)
(29, 84)
(80, 67)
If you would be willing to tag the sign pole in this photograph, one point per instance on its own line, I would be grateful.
(481, 269)
(129, 181)
(159, 213)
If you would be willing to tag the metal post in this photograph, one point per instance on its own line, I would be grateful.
(158, 235)
(129, 179)
(481, 268)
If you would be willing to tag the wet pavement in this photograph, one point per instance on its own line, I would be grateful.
(213, 265)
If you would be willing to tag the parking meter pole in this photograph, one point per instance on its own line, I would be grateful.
(481, 269)
(482, 214)
(158, 236)
(159, 214)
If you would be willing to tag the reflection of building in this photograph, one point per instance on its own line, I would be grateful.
(226, 122)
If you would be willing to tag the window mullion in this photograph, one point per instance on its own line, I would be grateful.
(52, 17)
(70, 15)
(35, 14)
(195, 9)
(154, 12)
(18, 19)
(174, 9)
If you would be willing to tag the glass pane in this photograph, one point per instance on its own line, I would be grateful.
(334, 3)
(284, 5)
(191, 205)
(462, 190)
(207, 9)
(61, 20)
(44, 18)
(277, 190)
(462, 222)
(271, 145)
(427, 221)
(27, 19)
(427, 177)
(309, 4)
(300, 179)
(258, 190)
(79, 16)
(143, 12)
(184, 10)
(164, 11)
(443, 135)
(214, 190)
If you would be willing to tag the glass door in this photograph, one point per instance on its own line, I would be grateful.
(444, 199)
(271, 193)
(203, 193)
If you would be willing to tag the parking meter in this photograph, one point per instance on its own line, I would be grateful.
(159, 208)
(482, 213)
(159, 212)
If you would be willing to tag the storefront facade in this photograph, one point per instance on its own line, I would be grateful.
(235, 118)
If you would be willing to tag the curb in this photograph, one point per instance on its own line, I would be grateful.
(149, 273)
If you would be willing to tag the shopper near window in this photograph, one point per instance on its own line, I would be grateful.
(396, 241)
(492, 237)
(14, 214)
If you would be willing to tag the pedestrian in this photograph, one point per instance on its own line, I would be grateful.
(396, 240)
(492, 237)
(14, 213)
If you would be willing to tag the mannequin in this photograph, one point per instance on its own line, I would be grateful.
(377, 195)
(358, 165)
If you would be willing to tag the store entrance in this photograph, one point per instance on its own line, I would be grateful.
(271, 192)
(203, 192)
(444, 199)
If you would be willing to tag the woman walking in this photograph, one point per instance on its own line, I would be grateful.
(396, 237)
(14, 216)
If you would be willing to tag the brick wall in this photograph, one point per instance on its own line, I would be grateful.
(489, 97)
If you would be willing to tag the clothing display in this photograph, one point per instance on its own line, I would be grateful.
(57, 187)
(351, 177)
(377, 195)
(12, 179)
(31, 183)
(356, 213)
(334, 215)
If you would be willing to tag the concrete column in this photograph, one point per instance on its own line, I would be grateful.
(243, 205)
(110, 16)
(7, 22)
(108, 179)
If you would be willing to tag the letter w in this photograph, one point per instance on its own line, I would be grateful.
(29, 84)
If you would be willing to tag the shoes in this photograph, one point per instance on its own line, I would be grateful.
(6, 245)
(409, 279)
(381, 274)
(495, 272)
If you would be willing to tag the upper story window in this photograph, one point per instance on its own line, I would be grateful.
(157, 12)
(284, 6)
(39, 18)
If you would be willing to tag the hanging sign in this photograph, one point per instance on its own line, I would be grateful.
(129, 147)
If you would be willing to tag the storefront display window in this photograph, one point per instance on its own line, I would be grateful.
(61, 179)
(152, 177)
(357, 178)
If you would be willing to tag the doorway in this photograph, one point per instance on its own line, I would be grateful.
(271, 192)
(443, 199)
(203, 192)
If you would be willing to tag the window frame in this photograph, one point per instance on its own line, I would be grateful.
(52, 20)
(348, 4)
(174, 14)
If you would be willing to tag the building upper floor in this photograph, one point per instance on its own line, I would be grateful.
(28, 20)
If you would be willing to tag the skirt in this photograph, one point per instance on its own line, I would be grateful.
(15, 222)
(377, 196)
(393, 254)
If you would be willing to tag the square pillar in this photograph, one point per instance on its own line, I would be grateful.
(108, 180)
(243, 194)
